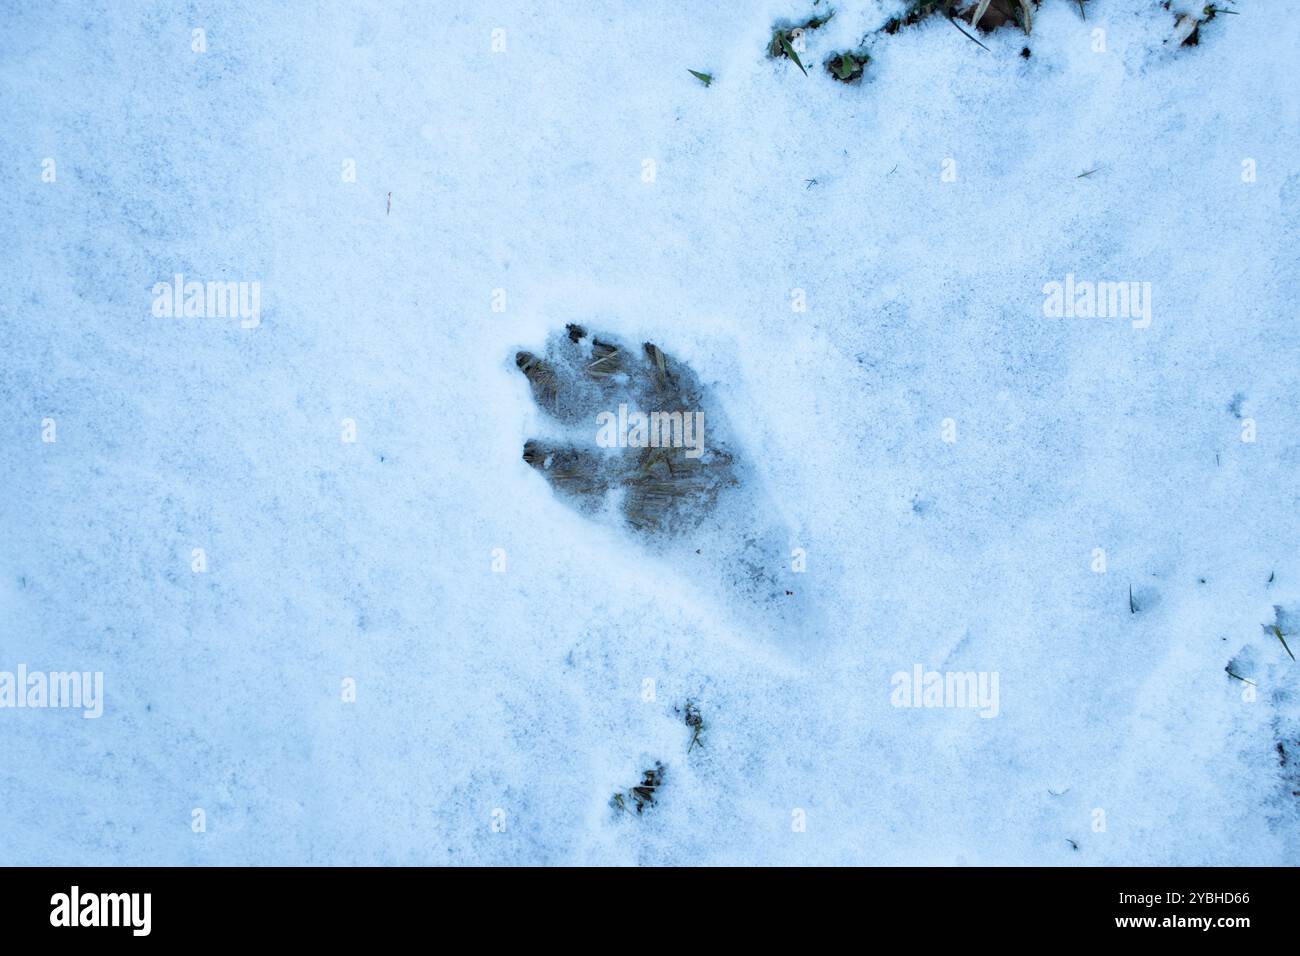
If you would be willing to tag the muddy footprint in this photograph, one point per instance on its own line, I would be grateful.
(646, 446)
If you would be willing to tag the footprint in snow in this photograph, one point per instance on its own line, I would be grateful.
(645, 445)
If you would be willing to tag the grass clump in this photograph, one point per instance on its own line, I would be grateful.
(988, 15)
(693, 719)
(787, 38)
(847, 67)
(1187, 28)
(984, 15)
(641, 796)
(920, 10)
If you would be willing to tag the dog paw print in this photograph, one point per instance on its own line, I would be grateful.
(638, 440)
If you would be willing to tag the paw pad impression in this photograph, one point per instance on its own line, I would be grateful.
(639, 439)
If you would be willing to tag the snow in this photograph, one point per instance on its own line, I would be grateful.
(525, 691)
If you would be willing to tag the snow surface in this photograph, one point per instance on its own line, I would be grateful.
(524, 691)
